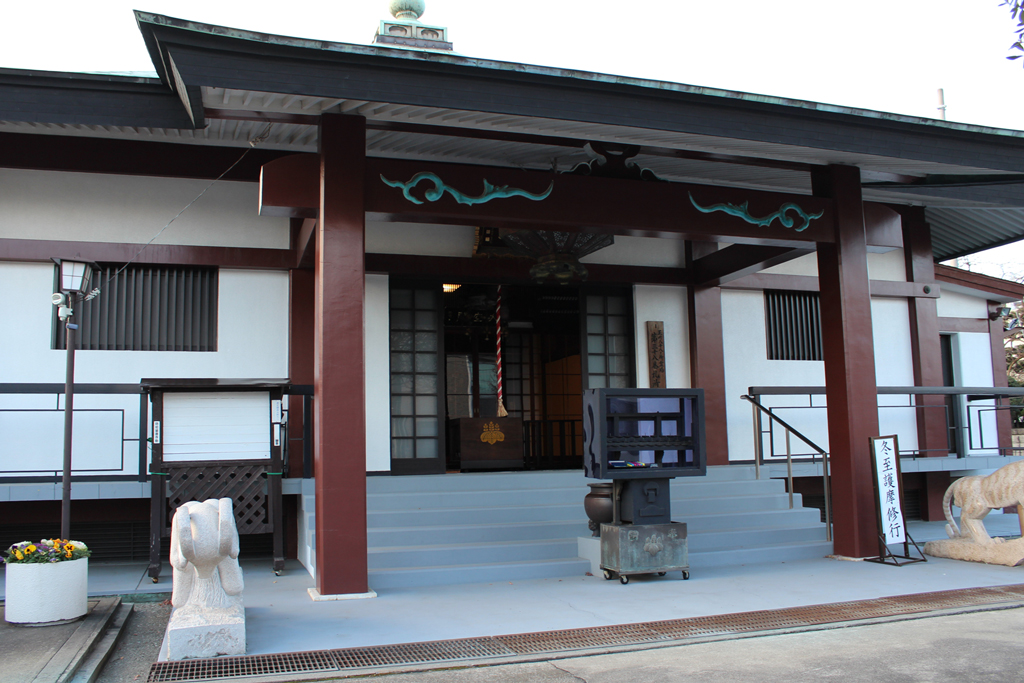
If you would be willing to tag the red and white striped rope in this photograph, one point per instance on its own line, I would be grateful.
(500, 383)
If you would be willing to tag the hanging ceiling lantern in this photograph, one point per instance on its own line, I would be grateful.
(557, 253)
(448, 289)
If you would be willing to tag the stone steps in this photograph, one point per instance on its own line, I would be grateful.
(483, 527)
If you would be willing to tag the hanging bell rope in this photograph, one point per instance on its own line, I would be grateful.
(501, 398)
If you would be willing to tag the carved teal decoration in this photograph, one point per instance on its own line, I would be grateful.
(436, 192)
(781, 215)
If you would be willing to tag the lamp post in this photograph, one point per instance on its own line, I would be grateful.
(74, 279)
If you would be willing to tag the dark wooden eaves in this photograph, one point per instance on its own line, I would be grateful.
(86, 99)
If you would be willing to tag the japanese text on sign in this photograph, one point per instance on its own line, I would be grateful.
(889, 490)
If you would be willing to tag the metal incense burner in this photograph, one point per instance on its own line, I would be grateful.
(641, 439)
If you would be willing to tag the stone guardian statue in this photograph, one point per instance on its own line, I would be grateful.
(976, 496)
(208, 617)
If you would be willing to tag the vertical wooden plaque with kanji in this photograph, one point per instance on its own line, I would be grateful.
(656, 353)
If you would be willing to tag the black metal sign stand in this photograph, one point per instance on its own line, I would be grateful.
(885, 555)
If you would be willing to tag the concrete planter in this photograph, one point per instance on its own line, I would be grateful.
(46, 592)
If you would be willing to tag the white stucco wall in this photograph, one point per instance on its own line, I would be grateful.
(641, 251)
(377, 378)
(747, 364)
(887, 266)
(805, 265)
(419, 239)
(669, 305)
(972, 367)
(894, 367)
(252, 341)
(957, 305)
(97, 207)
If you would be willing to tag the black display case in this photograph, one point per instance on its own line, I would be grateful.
(643, 433)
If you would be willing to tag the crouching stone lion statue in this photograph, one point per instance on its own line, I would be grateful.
(208, 617)
(976, 496)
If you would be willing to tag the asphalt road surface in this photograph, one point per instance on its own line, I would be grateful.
(976, 647)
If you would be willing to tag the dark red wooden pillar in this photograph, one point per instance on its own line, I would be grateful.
(707, 359)
(849, 363)
(1004, 421)
(926, 350)
(340, 412)
(300, 359)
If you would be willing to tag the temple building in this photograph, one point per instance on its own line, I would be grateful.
(317, 332)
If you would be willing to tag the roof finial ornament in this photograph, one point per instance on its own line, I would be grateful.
(408, 10)
(406, 32)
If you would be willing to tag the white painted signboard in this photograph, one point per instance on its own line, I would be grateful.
(212, 425)
(887, 478)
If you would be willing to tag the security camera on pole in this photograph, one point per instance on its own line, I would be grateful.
(74, 279)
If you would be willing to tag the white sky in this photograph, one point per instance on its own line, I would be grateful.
(888, 55)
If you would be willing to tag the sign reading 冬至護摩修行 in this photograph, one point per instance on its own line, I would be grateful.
(884, 455)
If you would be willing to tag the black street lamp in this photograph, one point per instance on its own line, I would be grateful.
(74, 280)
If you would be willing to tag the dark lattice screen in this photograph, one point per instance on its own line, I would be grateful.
(147, 308)
(244, 484)
(119, 541)
(793, 325)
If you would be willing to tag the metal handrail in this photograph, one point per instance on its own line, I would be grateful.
(759, 409)
(988, 392)
(961, 429)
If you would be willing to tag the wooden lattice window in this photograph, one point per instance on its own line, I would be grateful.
(146, 308)
(609, 341)
(415, 377)
(793, 325)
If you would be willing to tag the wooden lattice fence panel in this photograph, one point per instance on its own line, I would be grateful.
(246, 485)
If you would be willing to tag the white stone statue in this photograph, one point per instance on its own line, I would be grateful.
(976, 496)
(208, 617)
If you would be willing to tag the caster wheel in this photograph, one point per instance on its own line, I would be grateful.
(623, 580)
(277, 572)
(156, 579)
(608, 576)
(662, 573)
(686, 575)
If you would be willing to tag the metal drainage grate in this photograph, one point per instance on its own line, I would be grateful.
(575, 639)
(238, 667)
(437, 651)
(578, 639)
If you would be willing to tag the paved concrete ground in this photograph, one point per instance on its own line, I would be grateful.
(282, 618)
(139, 644)
(977, 647)
(25, 650)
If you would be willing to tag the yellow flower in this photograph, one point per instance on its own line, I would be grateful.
(31, 549)
(18, 554)
(68, 554)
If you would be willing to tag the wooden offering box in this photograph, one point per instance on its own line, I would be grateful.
(491, 443)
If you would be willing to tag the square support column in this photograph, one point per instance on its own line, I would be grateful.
(340, 410)
(300, 360)
(849, 363)
(707, 359)
(1004, 421)
(926, 351)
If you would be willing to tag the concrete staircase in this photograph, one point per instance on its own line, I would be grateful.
(512, 526)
